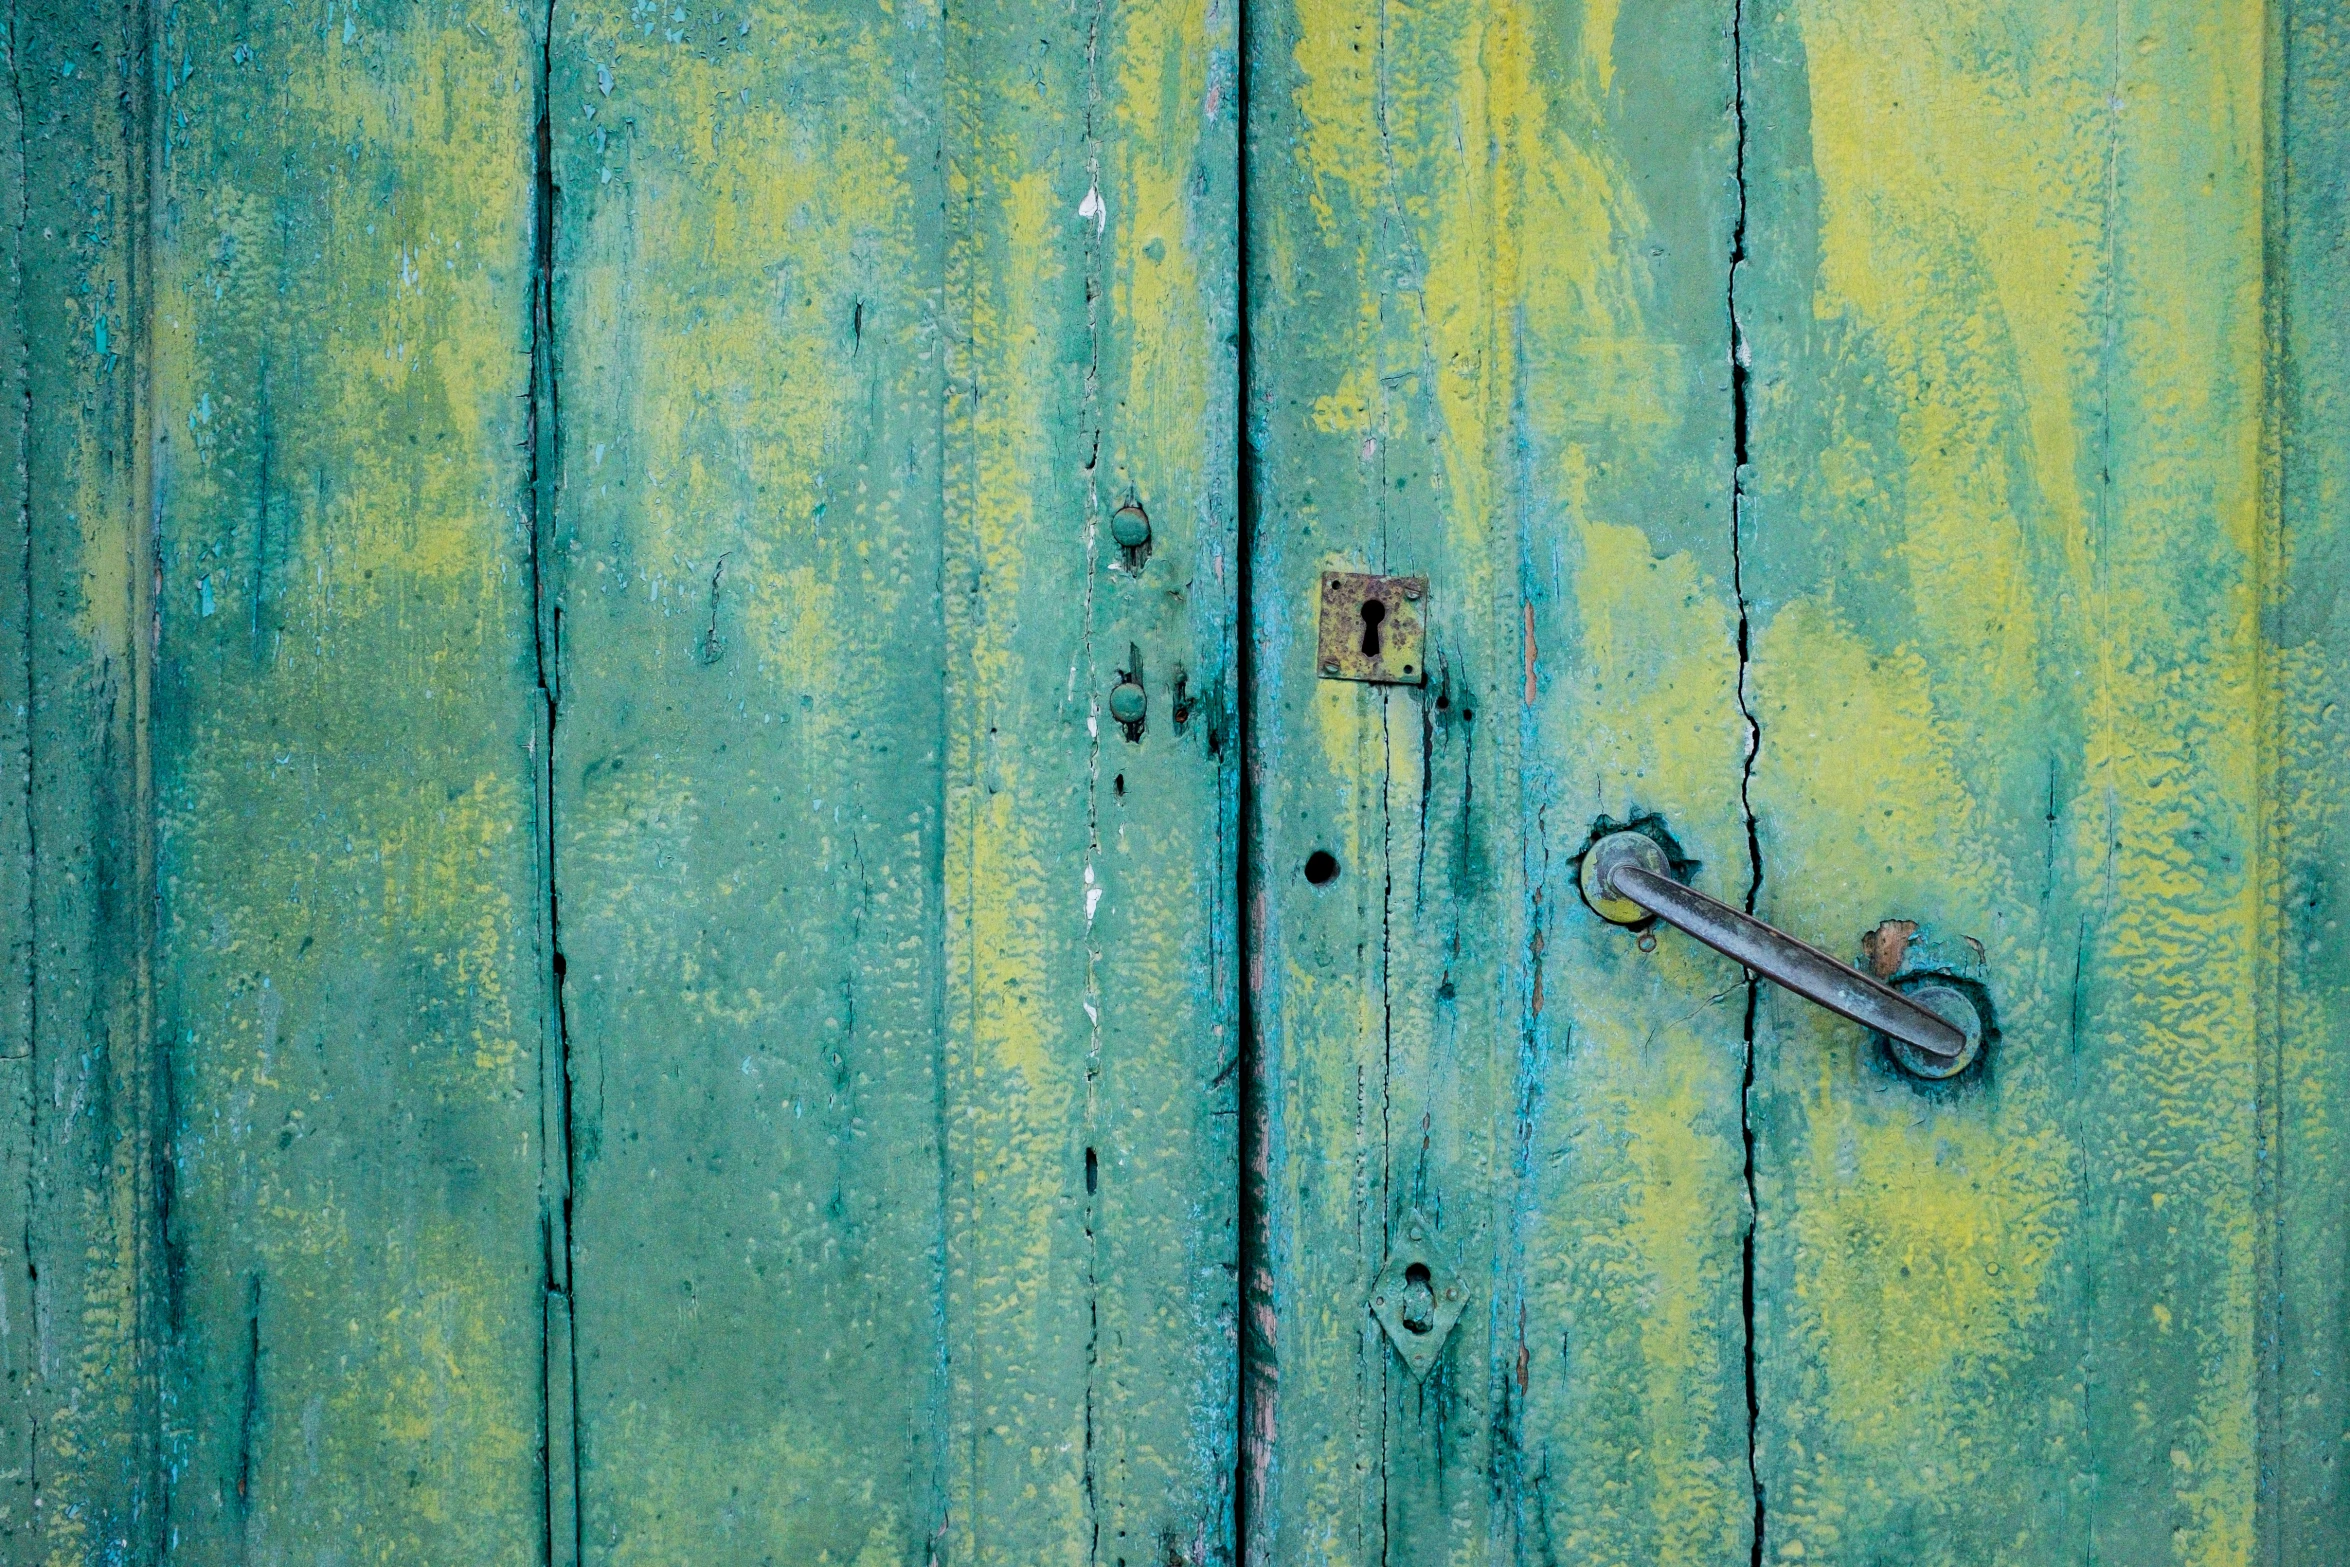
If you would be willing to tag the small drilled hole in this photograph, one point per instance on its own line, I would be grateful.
(1321, 867)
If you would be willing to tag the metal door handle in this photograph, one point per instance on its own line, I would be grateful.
(1626, 877)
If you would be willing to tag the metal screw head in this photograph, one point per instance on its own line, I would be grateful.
(1130, 525)
(1330, 668)
(1127, 702)
(1412, 591)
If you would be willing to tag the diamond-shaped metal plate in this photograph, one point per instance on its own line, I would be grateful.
(1372, 628)
(1416, 1297)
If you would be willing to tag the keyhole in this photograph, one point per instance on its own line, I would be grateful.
(1373, 613)
(1419, 1299)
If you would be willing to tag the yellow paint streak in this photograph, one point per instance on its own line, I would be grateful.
(2040, 260)
(1657, 707)
(1337, 62)
(1635, 1255)
(431, 1352)
(1162, 93)
(1346, 410)
(1963, 213)
(446, 873)
(1599, 42)
(742, 288)
(1910, 1217)
(434, 342)
(1015, 851)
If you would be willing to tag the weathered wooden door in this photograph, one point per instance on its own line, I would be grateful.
(1892, 453)
(626, 805)
(697, 870)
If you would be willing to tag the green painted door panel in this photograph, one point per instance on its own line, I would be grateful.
(1899, 449)
(650, 720)
(2038, 634)
(1489, 344)
(81, 1445)
(744, 585)
(598, 977)
(898, 977)
(349, 984)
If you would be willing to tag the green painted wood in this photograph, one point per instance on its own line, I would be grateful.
(593, 975)
(899, 981)
(1490, 251)
(347, 743)
(2004, 545)
(747, 774)
(2307, 788)
(1091, 1040)
(19, 1368)
(81, 1271)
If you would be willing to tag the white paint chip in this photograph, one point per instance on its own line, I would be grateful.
(1093, 207)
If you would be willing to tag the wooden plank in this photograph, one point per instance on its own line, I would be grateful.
(347, 746)
(1091, 1039)
(966, 1209)
(747, 773)
(82, 1127)
(19, 948)
(2306, 648)
(1490, 253)
(2001, 551)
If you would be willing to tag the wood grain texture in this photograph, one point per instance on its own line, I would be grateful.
(2002, 545)
(347, 747)
(590, 974)
(81, 1290)
(747, 778)
(2305, 787)
(1090, 1029)
(1490, 250)
(19, 948)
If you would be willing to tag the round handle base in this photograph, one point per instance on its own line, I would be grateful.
(1599, 869)
(1955, 1007)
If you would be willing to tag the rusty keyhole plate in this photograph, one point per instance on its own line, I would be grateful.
(1373, 628)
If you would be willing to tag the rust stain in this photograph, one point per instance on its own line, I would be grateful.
(1887, 945)
(1529, 653)
(1525, 1359)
